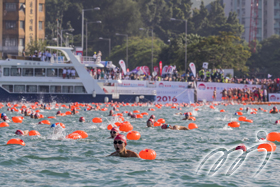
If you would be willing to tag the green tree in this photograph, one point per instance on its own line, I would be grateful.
(35, 46)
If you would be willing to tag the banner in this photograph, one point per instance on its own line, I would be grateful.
(122, 64)
(205, 89)
(274, 97)
(156, 70)
(192, 66)
(133, 71)
(145, 70)
(205, 65)
(164, 70)
(160, 68)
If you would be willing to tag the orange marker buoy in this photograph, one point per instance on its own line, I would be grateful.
(239, 113)
(126, 127)
(16, 141)
(222, 110)
(157, 124)
(34, 133)
(136, 111)
(17, 119)
(109, 127)
(240, 108)
(118, 124)
(68, 113)
(192, 126)
(242, 118)
(161, 120)
(74, 136)
(192, 118)
(4, 124)
(139, 116)
(82, 133)
(97, 120)
(148, 154)
(52, 117)
(273, 136)
(270, 147)
(104, 109)
(234, 124)
(133, 135)
(61, 124)
(151, 109)
(144, 113)
(248, 120)
(47, 122)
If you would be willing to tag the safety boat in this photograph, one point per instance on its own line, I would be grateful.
(31, 79)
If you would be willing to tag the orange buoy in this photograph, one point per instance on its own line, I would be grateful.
(133, 135)
(144, 114)
(136, 111)
(4, 124)
(212, 107)
(151, 109)
(248, 120)
(240, 108)
(68, 113)
(126, 127)
(41, 116)
(34, 133)
(82, 133)
(61, 124)
(97, 120)
(234, 124)
(192, 118)
(47, 122)
(161, 120)
(222, 110)
(242, 118)
(119, 114)
(17, 119)
(109, 127)
(192, 126)
(197, 109)
(37, 111)
(273, 136)
(104, 109)
(157, 124)
(16, 141)
(269, 146)
(148, 154)
(118, 124)
(74, 136)
(139, 116)
(52, 117)
(239, 113)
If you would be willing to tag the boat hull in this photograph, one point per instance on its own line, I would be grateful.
(68, 98)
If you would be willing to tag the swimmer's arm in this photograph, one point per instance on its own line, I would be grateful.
(183, 128)
(132, 154)
(113, 154)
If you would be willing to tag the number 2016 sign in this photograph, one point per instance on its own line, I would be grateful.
(175, 96)
(166, 99)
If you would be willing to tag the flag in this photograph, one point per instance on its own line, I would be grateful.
(160, 68)
(205, 65)
(192, 66)
(122, 64)
(268, 76)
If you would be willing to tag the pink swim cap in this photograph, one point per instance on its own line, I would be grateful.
(115, 129)
(121, 137)
(19, 132)
(241, 146)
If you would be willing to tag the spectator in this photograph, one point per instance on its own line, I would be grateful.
(68, 73)
(64, 73)
(73, 73)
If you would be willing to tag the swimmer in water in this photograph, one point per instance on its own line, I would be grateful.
(111, 113)
(73, 112)
(82, 119)
(151, 120)
(175, 127)
(58, 113)
(180, 113)
(22, 133)
(133, 116)
(129, 113)
(114, 132)
(214, 94)
(187, 116)
(120, 147)
(36, 116)
(247, 109)
(274, 110)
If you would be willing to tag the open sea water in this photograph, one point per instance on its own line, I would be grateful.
(47, 161)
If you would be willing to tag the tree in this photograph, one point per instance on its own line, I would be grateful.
(35, 46)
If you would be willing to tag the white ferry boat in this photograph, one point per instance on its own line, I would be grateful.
(31, 79)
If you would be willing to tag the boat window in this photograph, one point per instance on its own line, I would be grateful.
(40, 72)
(31, 88)
(6, 71)
(27, 72)
(19, 88)
(8, 87)
(15, 71)
(55, 89)
(67, 89)
(80, 89)
(51, 72)
(60, 71)
(44, 89)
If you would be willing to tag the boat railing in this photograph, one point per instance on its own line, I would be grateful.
(59, 59)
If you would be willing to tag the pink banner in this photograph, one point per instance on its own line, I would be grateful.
(160, 68)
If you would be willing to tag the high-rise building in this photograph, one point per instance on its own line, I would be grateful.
(267, 19)
(21, 21)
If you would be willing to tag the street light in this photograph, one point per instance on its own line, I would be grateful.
(83, 15)
(186, 43)
(72, 37)
(61, 31)
(87, 32)
(109, 39)
(152, 57)
(118, 34)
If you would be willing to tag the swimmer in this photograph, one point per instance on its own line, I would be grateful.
(26, 112)
(274, 110)
(22, 133)
(58, 113)
(175, 127)
(114, 132)
(180, 113)
(36, 116)
(151, 120)
(241, 147)
(133, 116)
(111, 113)
(120, 147)
(82, 119)
(6, 119)
(73, 112)
(187, 116)
(129, 113)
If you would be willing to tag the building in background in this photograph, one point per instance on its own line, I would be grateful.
(22, 21)
(264, 19)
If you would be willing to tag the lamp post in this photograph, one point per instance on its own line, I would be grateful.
(152, 55)
(61, 37)
(109, 39)
(118, 34)
(186, 42)
(83, 16)
(72, 37)
(87, 32)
